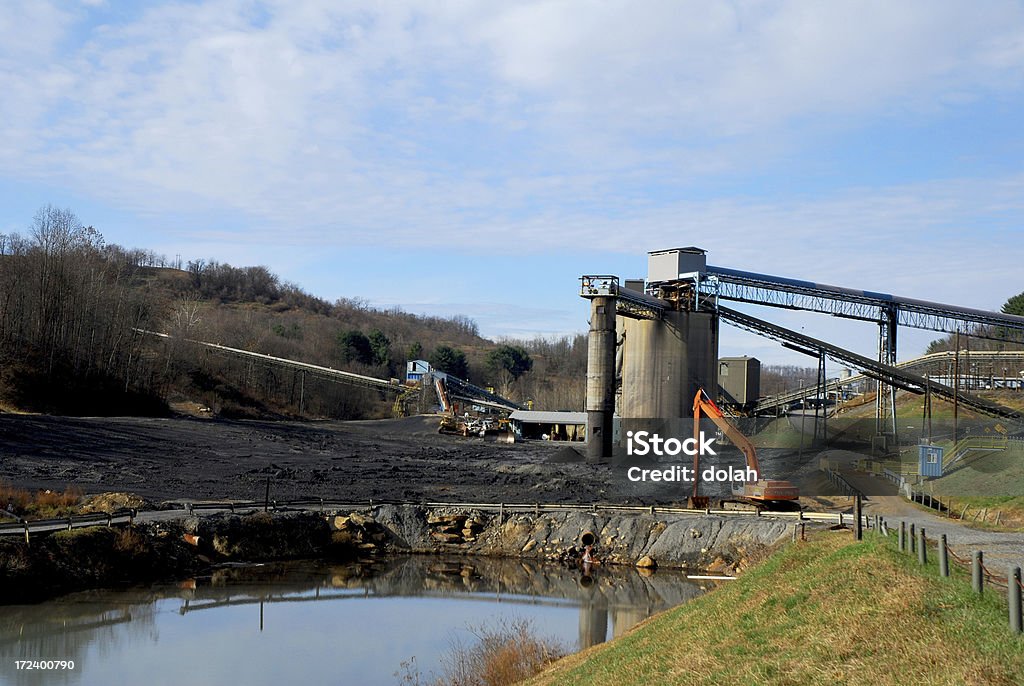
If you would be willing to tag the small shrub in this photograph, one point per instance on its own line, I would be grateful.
(131, 542)
(502, 655)
(42, 504)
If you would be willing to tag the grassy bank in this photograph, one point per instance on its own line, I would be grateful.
(829, 611)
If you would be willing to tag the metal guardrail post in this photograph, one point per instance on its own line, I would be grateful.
(922, 550)
(1014, 599)
(943, 556)
(977, 575)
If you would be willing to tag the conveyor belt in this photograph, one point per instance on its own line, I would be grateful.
(796, 294)
(930, 361)
(887, 374)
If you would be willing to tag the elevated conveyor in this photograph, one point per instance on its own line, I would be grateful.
(457, 388)
(933, 364)
(887, 374)
(796, 294)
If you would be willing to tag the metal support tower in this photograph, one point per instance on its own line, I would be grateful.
(885, 398)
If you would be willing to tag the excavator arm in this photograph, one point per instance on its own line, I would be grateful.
(704, 404)
(758, 493)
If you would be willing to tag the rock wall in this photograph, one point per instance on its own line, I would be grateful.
(683, 541)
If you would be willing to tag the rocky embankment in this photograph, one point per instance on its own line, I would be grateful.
(689, 542)
(101, 556)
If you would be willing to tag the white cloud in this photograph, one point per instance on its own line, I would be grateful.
(426, 123)
(543, 126)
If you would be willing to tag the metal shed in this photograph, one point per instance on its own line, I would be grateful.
(556, 426)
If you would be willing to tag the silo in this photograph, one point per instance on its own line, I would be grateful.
(665, 361)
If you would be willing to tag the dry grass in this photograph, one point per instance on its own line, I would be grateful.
(827, 612)
(502, 655)
(41, 504)
(131, 541)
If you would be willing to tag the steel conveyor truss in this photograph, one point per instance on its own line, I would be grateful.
(887, 374)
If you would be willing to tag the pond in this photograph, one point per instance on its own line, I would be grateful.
(320, 623)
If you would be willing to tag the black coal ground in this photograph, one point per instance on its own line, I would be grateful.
(211, 459)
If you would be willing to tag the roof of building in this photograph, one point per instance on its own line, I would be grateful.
(539, 417)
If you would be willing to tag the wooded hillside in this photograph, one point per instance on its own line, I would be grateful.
(72, 306)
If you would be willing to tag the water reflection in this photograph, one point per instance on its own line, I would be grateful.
(350, 623)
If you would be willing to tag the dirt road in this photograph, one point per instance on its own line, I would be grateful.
(1001, 550)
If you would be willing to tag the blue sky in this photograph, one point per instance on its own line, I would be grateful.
(477, 158)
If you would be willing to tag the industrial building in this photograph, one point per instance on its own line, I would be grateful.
(552, 426)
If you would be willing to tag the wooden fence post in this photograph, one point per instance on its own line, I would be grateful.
(922, 551)
(858, 525)
(977, 575)
(943, 556)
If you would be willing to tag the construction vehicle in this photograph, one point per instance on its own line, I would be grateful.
(762, 494)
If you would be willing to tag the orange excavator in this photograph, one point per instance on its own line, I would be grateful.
(762, 494)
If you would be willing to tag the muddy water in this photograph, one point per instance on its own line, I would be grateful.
(317, 623)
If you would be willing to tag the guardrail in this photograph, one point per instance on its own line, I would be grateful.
(911, 541)
(44, 526)
(127, 516)
(324, 504)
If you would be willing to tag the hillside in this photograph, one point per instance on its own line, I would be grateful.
(71, 307)
(829, 611)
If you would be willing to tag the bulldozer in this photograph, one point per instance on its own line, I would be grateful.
(762, 494)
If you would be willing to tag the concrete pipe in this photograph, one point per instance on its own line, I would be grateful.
(588, 538)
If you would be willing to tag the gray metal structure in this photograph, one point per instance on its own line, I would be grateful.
(668, 350)
(936, 367)
(886, 310)
(887, 374)
(739, 380)
(680, 283)
(883, 308)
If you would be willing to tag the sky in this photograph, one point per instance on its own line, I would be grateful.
(476, 158)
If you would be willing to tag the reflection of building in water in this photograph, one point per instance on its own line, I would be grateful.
(625, 618)
(593, 624)
(594, 621)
